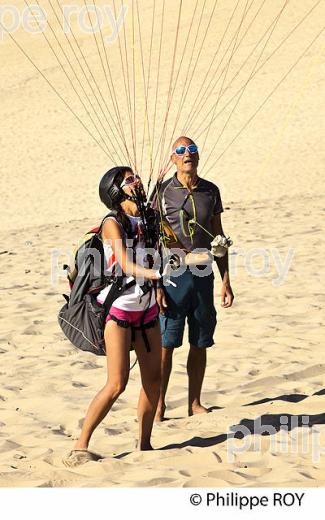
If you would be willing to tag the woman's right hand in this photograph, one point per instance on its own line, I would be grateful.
(161, 300)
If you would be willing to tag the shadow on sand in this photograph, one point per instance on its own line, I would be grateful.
(265, 425)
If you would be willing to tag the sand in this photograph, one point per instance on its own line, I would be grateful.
(267, 363)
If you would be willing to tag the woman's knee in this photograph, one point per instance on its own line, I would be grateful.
(116, 388)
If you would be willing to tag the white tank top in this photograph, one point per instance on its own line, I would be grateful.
(133, 298)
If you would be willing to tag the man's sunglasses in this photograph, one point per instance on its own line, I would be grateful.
(131, 179)
(180, 150)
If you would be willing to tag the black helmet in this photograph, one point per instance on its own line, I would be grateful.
(110, 192)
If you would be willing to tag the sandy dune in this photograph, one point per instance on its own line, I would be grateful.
(268, 362)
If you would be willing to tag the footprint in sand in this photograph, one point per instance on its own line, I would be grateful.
(77, 384)
(254, 372)
(30, 331)
(13, 388)
(8, 446)
(253, 473)
(252, 459)
(184, 473)
(306, 475)
(229, 369)
(155, 482)
(86, 365)
(59, 430)
(115, 431)
(217, 456)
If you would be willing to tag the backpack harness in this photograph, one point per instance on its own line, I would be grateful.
(82, 319)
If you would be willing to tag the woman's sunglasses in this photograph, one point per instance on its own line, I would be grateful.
(180, 150)
(131, 179)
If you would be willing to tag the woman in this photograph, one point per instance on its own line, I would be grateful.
(132, 313)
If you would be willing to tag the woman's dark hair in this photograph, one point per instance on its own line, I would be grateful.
(116, 204)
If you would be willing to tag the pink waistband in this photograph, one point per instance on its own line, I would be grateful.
(134, 317)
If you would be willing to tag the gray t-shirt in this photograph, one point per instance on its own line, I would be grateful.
(187, 211)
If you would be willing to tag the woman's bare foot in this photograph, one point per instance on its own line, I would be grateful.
(77, 457)
(197, 409)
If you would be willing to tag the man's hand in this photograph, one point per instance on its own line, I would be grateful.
(161, 300)
(227, 296)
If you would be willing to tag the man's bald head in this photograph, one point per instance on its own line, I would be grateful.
(183, 140)
(188, 162)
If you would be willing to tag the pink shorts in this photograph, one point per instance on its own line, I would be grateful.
(133, 318)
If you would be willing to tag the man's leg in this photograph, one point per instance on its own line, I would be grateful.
(202, 322)
(172, 325)
(166, 368)
(196, 364)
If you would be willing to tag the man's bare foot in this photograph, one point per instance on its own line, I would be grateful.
(197, 409)
(143, 446)
(160, 413)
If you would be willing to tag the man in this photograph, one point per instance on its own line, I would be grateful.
(192, 207)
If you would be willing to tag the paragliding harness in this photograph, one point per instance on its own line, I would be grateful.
(150, 234)
(82, 318)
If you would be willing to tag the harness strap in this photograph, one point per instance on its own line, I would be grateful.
(117, 290)
(143, 328)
